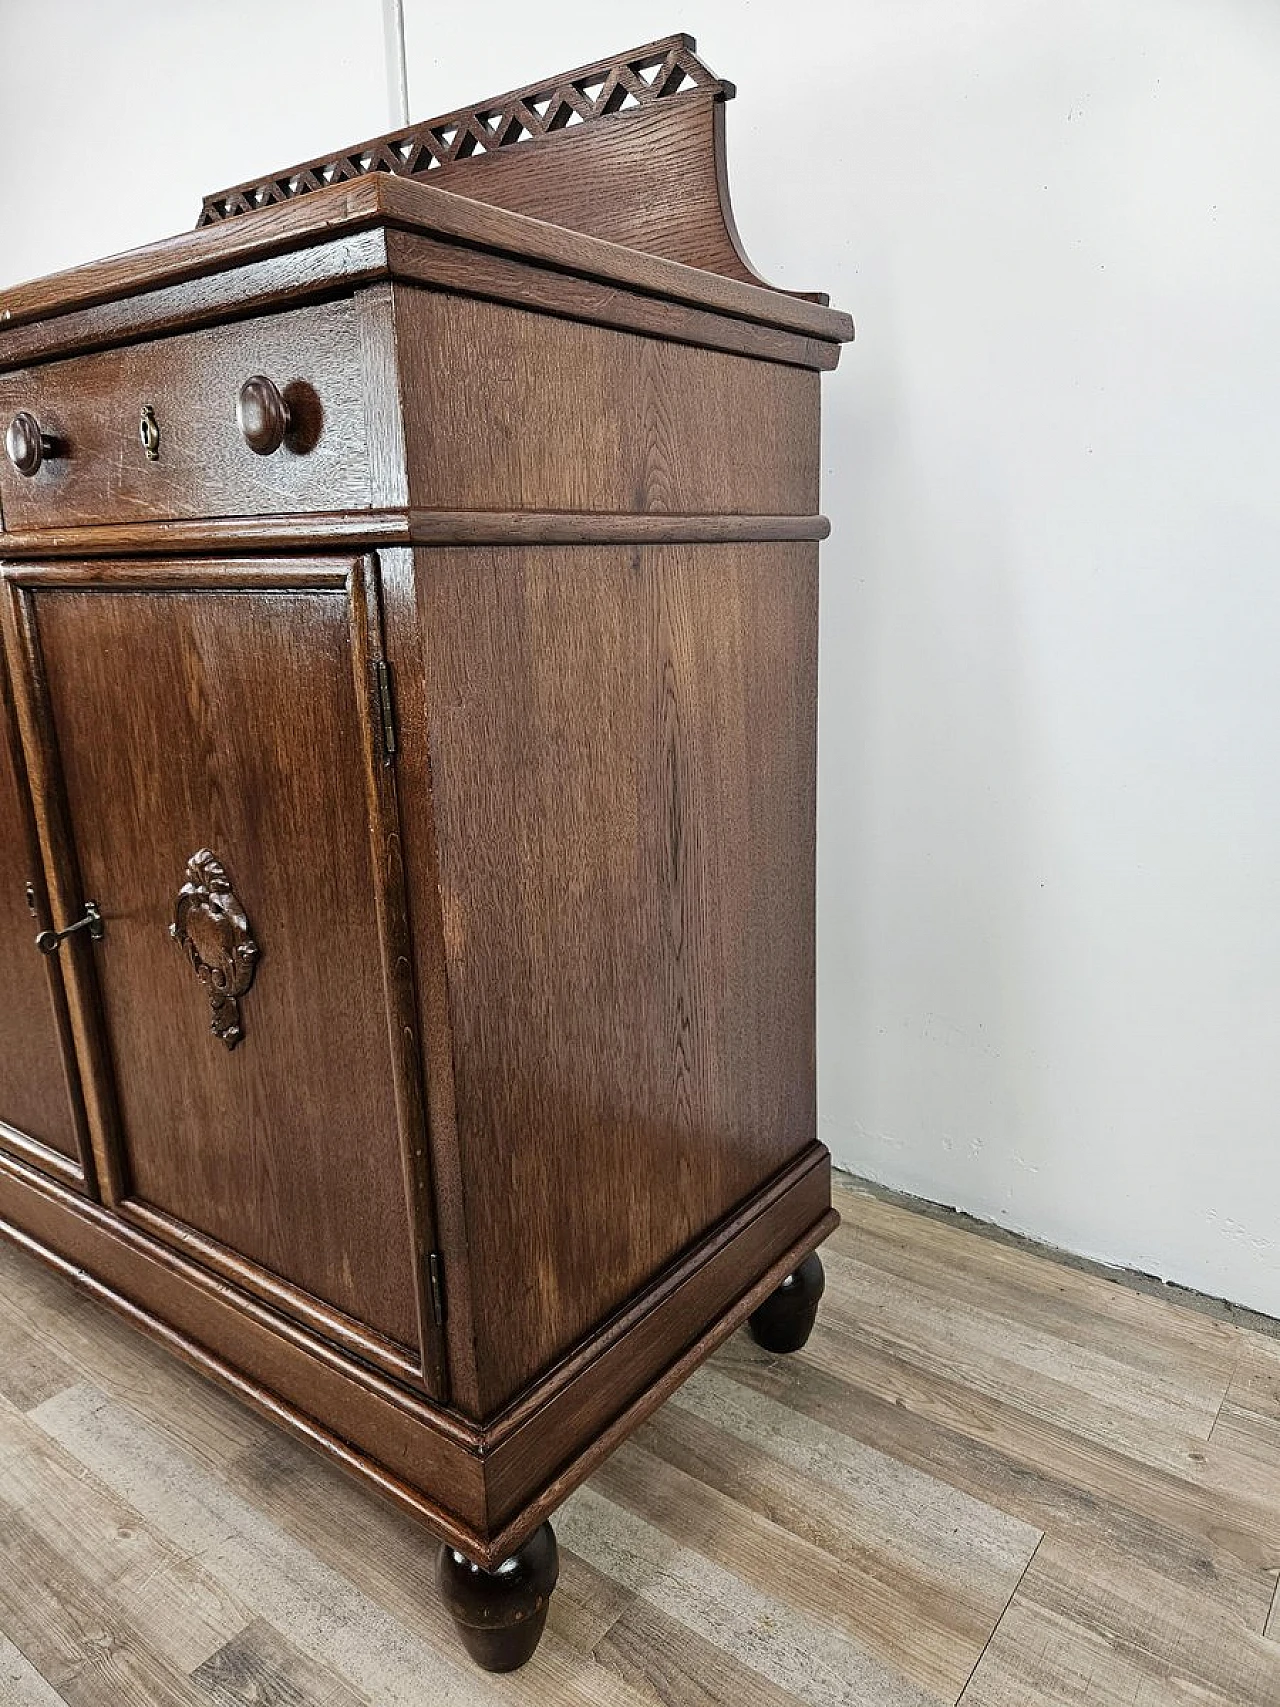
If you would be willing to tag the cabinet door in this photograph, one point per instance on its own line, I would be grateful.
(211, 768)
(41, 1119)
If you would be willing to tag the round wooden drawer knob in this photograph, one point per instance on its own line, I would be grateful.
(26, 444)
(263, 415)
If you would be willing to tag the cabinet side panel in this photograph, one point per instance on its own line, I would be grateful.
(511, 410)
(623, 754)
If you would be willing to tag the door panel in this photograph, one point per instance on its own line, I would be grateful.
(230, 716)
(39, 1116)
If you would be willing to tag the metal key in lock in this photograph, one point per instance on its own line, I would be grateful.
(49, 942)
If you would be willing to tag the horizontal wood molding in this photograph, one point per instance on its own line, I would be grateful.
(372, 528)
(807, 1180)
(304, 1369)
(327, 269)
(359, 258)
(514, 527)
(41, 1156)
(347, 531)
(504, 278)
(500, 1481)
(385, 200)
(224, 570)
(575, 1412)
(323, 1319)
(525, 1520)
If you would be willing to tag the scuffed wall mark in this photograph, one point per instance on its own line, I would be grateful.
(1262, 1248)
(838, 1133)
(937, 1028)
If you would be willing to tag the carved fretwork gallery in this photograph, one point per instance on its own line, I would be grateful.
(409, 614)
(627, 83)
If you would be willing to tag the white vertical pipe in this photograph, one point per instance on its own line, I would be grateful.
(397, 70)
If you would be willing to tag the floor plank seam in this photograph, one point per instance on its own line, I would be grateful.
(999, 1621)
(1217, 1415)
(627, 1607)
(1152, 1586)
(39, 1670)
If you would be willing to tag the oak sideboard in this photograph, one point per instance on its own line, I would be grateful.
(407, 796)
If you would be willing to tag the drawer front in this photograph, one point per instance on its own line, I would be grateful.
(91, 408)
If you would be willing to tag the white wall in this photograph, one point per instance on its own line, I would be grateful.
(1049, 897)
(1050, 815)
(118, 116)
(1050, 861)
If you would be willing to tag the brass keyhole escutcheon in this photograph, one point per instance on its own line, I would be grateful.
(149, 433)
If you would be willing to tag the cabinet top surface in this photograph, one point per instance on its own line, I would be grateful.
(382, 200)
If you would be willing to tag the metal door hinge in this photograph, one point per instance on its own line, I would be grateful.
(435, 1279)
(386, 708)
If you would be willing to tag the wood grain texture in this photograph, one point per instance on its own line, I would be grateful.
(1101, 1625)
(744, 1551)
(618, 737)
(204, 692)
(91, 405)
(1048, 1305)
(384, 200)
(1050, 1475)
(259, 1668)
(210, 297)
(649, 180)
(328, 530)
(1248, 1420)
(39, 1099)
(505, 278)
(29, 1370)
(164, 1596)
(630, 148)
(426, 1460)
(381, 255)
(488, 1015)
(639, 425)
(64, 896)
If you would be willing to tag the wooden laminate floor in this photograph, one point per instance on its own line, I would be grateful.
(988, 1479)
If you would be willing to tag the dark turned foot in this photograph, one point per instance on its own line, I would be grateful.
(500, 1614)
(785, 1320)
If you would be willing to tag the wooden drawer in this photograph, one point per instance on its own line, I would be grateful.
(91, 407)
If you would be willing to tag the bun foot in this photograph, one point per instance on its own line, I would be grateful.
(500, 1614)
(785, 1320)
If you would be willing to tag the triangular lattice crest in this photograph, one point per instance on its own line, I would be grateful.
(626, 83)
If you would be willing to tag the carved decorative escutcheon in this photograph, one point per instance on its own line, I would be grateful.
(210, 925)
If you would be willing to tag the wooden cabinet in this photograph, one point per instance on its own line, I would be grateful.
(199, 467)
(407, 809)
(206, 752)
(40, 1111)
